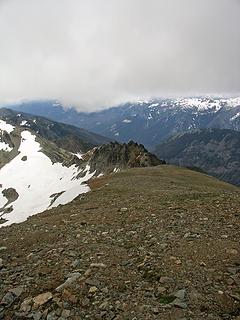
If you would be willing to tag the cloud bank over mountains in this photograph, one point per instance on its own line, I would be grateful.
(97, 53)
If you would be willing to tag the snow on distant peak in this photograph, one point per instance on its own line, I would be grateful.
(39, 183)
(142, 101)
(4, 126)
(232, 102)
(57, 104)
(237, 115)
(201, 104)
(127, 121)
(153, 105)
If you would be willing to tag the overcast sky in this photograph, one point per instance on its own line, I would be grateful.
(96, 53)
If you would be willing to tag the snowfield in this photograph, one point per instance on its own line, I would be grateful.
(37, 180)
(4, 126)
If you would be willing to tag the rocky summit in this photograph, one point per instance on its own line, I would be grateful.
(145, 243)
(115, 156)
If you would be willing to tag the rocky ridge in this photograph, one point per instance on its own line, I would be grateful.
(114, 156)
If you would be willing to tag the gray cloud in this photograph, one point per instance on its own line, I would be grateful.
(97, 53)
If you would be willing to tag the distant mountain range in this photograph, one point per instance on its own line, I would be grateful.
(215, 151)
(198, 132)
(146, 122)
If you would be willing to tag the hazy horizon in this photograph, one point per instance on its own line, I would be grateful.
(95, 54)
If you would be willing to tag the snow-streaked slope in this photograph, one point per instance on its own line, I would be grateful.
(4, 126)
(8, 128)
(35, 178)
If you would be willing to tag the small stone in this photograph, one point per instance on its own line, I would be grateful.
(36, 315)
(67, 295)
(180, 304)
(1, 262)
(233, 270)
(180, 294)
(123, 209)
(52, 316)
(76, 263)
(232, 251)
(230, 281)
(88, 272)
(11, 296)
(97, 265)
(66, 313)
(155, 310)
(69, 281)
(166, 280)
(105, 290)
(93, 290)
(17, 291)
(92, 282)
(8, 299)
(104, 305)
(26, 305)
(161, 290)
(3, 248)
(42, 298)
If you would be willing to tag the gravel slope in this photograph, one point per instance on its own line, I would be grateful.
(155, 243)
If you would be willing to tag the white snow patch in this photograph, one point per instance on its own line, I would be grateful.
(237, 115)
(36, 179)
(153, 105)
(79, 155)
(56, 104)
(116, 134)
(4, 126)
(232, 102)
(23, 123)
(4, 146)
(127, 121)
(100, 175)
(200, 104)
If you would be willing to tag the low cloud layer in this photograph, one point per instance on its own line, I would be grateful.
(98, 53)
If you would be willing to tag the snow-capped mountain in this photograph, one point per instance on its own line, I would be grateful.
(38, 173)
(147, 122)
(30, 181)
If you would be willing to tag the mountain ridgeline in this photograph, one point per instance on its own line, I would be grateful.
(215, 151)
(64, 136)
(158, 119)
